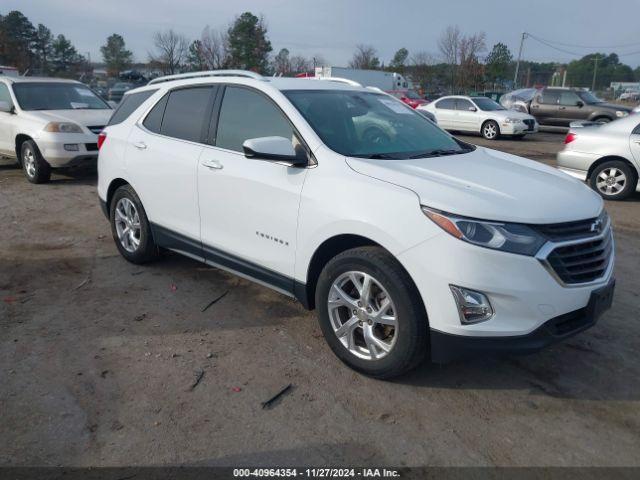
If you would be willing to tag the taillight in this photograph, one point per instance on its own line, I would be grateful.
(102, 136)
(570, 137)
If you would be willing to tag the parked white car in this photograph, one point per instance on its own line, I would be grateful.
(607, 156)
(480, 115)
(417, 246)
(48, 123)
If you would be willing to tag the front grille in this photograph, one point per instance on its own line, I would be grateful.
(582, 262)
(568, 230)
(529, 123)
(91, 147)
(96, 129)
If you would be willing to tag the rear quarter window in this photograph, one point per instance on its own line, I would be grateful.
(128, 105)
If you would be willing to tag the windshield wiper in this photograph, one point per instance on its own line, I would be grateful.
(377, 156)
(439, 153)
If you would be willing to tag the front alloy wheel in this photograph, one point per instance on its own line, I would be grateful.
(362, 315)
(490, 130)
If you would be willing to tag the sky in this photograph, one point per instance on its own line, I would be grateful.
(332, 28)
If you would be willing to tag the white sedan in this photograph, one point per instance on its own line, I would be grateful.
(480, 115)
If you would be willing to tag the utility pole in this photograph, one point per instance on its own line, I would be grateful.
(515, 78)
(595, 72)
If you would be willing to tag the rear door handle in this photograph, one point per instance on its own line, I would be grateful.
(140, 145)
(213, 164)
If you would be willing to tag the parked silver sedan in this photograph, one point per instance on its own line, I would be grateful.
(605, 155)
(480, 115)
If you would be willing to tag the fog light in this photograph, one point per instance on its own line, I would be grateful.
(71, 147)
(473, 307)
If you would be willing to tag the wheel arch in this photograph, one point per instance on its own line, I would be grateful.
(113, 186)
(19, 140)
(611, 158)
(487, 121)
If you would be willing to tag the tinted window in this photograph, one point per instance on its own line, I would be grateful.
(487, 105)
(57, 96)
(636, 131)
(371, 125)
(568, 98)
(128, 104)
(247, 114)
(549, 97)
(447, 104)
(4, 94)
(463, 104)
(153, 122)
(185, 113)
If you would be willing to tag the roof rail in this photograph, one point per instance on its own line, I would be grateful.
(208, 73)
(346, 81)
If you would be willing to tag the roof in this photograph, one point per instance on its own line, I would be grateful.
(38, 79)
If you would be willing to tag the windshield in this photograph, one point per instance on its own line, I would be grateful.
(371, 125)
(57, 96)
(589, 97)
(487, 105)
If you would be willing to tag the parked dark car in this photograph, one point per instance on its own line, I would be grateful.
(557, 106)
(118, 90)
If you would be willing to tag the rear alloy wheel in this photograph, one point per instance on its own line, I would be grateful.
(490, 130)
(130, 227)
(371, 313)
(35, 168)
(613, 180)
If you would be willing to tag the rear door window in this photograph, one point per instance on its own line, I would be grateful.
(5, 96)
(153, 122)
(464, 105)
(549, 97)
(569, 99)
(128, 105)
(185, 115)
(246, 114)
(446, 104)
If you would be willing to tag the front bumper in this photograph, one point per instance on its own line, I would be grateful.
(446, 348)
(523, 293)
(518, 128)
(52, 148)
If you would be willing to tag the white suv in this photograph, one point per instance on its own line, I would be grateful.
(48, 123)
(410, 243)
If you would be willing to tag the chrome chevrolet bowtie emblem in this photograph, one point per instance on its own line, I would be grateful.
(596, 226)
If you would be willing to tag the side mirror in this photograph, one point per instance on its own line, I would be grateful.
(473, 109)
(580, 104)
(277, 149)
(6, 107)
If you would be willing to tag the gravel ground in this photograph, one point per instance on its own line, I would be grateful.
(99, 358)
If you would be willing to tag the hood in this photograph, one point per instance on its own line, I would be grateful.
(489, 185)
(85, 118)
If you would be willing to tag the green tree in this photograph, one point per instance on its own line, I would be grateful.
(498, 62)
(17, 34)
(399, 60)
(365, 58)
(42, 49)
(116, 57)
(249, 46)
(610, 69)
(196, 60)
(66, 60)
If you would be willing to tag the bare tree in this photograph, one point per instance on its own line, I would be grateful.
(449, 44)
(299, 64)
(215, 47)
(421, 68)
(365, 57)
(469, 51)
(171, 50)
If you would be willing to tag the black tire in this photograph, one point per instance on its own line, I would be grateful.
(34, 166)
(146, 249)
(625, 185)
(490, 130)
(603, 119)
(412, 341)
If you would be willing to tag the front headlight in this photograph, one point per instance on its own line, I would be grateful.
(621, 113)
(508, 237)
(62, 127)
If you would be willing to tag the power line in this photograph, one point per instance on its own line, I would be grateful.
(576, 54)
(589, 47)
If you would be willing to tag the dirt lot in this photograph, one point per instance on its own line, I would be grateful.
(98, 357)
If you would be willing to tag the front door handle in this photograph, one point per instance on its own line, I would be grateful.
(140, 145)
(213, 164)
